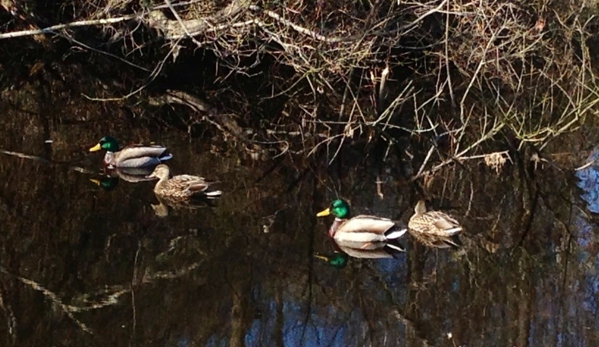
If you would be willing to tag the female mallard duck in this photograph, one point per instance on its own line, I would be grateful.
(181, 187)
(362, 235)
(132, 156)
(433, 228)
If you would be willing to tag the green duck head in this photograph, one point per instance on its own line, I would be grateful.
(338, 208)
(107, 143)
(106, 183)
(337, 260)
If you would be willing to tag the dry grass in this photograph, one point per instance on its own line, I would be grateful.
(465, 70)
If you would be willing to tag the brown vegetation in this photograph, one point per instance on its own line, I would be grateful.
(462, 73)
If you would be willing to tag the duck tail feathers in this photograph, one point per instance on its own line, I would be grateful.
(165, 156)
(393, 236)
(394, 248)
(214, 194)
(453, 231)
(395, 233)
(454, 242)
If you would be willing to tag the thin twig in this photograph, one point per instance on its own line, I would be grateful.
(52, 29)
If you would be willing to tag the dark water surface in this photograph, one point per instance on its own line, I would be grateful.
(84, 266)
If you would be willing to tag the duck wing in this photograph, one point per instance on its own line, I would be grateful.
(141, 151)
(367, 224)
(368, 232)
(444, 223)
(192, 184)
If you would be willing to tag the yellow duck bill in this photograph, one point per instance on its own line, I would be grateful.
(95, 148)
(324, 213)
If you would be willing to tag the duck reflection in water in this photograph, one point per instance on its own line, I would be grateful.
(111, 177)
(107, 183)
(337, 260)
(340, 259)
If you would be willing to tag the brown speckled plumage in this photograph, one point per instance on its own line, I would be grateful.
(433, 228)
(181, 187)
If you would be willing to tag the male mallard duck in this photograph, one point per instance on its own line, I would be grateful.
(181, 187)
(433, 228)
(132, 156)
(362, 234)
(337, 260)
